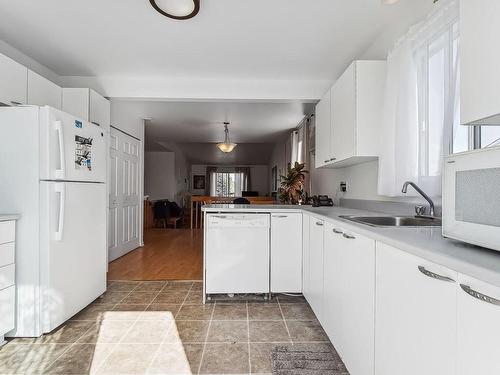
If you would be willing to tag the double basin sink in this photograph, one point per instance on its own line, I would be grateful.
(395, 221)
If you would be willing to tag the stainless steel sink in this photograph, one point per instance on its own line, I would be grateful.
(395, 221)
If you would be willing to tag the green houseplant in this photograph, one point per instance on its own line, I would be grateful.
(292, 185)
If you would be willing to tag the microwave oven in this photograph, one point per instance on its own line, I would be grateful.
(471, 197)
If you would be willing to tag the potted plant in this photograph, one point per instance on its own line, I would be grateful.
(291, 190)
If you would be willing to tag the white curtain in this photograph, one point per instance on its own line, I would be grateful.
(398, 161)
(419, 114)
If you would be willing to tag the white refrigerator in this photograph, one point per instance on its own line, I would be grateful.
(53, 173)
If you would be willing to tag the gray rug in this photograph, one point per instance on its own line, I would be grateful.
(307, 359)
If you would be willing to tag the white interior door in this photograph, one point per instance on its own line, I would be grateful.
(124, 200)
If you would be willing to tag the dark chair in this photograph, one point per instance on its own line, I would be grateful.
(241, 201)
(161, 212)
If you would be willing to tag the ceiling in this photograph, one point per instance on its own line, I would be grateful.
(254, 39)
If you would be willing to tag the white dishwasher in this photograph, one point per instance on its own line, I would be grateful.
(237, 253)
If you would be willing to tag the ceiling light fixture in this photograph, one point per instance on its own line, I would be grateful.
(226, 146)
(177, 9)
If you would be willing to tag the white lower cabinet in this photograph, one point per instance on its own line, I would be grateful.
(286, 253)
(478, 327)
(315, 298)
(349, 297)
(415, 313)
(7, 277)
(305, 255)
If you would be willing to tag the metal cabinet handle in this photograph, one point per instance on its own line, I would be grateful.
(219, 216)
(349, 237)
(15, 103)
(319, 223)
(332, 159)
(480, 296)
(337, 231)
(435, 275)
(280, 216)
(326, 161)
(95, 123)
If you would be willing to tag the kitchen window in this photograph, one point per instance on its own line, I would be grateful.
(228, 184)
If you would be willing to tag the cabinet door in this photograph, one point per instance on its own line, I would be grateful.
(478, 327)
(41, 91)
(316, 266)
(415, 315)
(13, 81)
(323, 126)
(343, 113)
(100, 110)
(7, 309)
(286, 253)
(480, 77)
(76, 101)
(332, 305)
(305, 255)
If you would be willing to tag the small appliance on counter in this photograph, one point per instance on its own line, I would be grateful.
(471, 197)
(321, 201)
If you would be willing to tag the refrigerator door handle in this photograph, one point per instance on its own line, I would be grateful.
(61, 172)
(60, 188)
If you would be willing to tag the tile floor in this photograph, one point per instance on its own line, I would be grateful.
(163, 328)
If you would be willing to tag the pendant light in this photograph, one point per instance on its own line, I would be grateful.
(226, 146)
(177, 9)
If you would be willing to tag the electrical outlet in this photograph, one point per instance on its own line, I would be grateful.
(343, 186)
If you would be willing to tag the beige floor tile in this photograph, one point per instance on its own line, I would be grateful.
(93, 312)
(237, 311)
(228, 331)
(260, 358)
(306, 331)
(268, 331)
(197, 285)
(188, 331)
(111, 298)
(80, 359)
(129, 359)
(123, 286)
(29, 359)
(282, 298)
(173, 297)
(139, 298)
(195, 312)
(150, 286)
(194, 297)
(148, 332)
(225, 359)
(106, 332)
(125, 312)
(264, 311)
(68, 333)
(297, 311)
(178, 285)
(177, 359)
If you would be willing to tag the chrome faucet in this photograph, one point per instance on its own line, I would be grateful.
(421, 192)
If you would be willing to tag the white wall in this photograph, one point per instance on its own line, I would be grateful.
(159, 175)
(259, 176)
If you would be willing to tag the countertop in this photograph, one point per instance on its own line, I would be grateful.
(427, 243)
(9, 217)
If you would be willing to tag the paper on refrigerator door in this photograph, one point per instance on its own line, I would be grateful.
(83, 153)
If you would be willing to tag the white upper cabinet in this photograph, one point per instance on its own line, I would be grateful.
(415, 313)
(41, 91)
(480, 59)
(322, 129)
(478, 327)
(88, 105)
(286, 253)
(347, 134)
(13, 81)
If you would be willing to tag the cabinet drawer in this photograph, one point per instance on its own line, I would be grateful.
(7, 276)
(7, 253)
(7, 231)
(7, 308)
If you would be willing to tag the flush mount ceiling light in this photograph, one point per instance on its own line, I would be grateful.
(177, 9)
(226, 146)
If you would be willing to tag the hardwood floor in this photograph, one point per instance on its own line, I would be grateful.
(168, 254)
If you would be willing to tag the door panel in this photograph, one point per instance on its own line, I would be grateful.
(73, 253)
(316, 267)
(124, 200)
